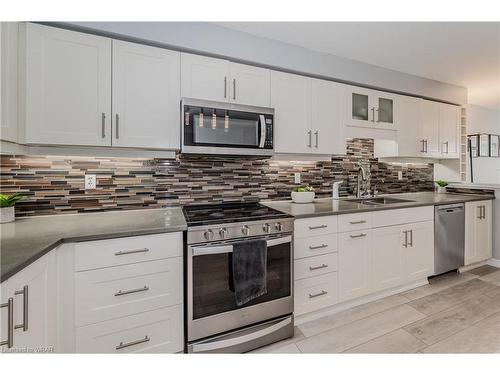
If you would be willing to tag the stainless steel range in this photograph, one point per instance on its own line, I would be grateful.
(215, 323)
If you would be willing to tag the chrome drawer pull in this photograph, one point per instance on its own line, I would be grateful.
(322, 293)
(123, 292)
(317, 247)
(318, 267)
(358, 235)
(145, 250)
(319, 227)
(358, 222)
(132, 343)
(10, 322)
(24, 292)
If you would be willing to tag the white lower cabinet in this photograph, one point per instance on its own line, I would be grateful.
(367, 253)
(157, 331)
(354, 264)
(478, 231)
(32, 293)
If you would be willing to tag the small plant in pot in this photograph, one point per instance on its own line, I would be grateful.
(303, 194)
(7, 203)
(441, 186)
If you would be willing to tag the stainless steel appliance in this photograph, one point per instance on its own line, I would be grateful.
(214, 322)
(449, 232)
(226, 129)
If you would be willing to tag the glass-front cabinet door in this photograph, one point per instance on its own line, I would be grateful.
(385, 110)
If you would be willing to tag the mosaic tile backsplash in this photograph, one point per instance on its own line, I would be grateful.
(55, 184)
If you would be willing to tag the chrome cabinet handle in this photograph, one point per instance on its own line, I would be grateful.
(234, 89)
(10, 322)
(316, 133)
(124, 292)
(373, 114)
(309, 133)
(426, 146)
(480, 212)
(225, 87)
(311, 268)
(318, 247)
(125, 252)
(406, 238)
(24, 292)
(103, 125)
(318, 227)
(117, 125)
(378, 115)
(411, 238)
(423, 146)
(357, 222)
(358, 235)
(322, 293)
(132, 343)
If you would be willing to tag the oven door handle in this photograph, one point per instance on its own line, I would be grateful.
(262, 122)
(215, 345)
(222, 249)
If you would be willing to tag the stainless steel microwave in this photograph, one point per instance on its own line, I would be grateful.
(226, 129)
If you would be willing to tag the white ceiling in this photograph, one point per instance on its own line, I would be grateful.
(462, 53)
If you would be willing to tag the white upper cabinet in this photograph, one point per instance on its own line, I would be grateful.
(308, 115)
(429, 128)
(204, 78)
(408, 115)
(8, 81)
(326, 122)
(448, 130)
(223, 81)
(146, 96)
(291, 100)
(370, 108)
(68, 87)
(249, 85)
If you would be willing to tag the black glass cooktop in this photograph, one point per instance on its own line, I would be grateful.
(229, 212)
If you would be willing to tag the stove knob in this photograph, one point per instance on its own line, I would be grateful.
(245, 230)
(266, 228)
(223, 233)
(209, 235)
(278, 227)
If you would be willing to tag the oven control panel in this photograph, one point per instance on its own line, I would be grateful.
(231, 231)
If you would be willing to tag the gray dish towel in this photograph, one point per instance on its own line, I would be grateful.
(249, 270)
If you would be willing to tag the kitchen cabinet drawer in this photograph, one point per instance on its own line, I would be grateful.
(351, 222)
(315, 293)
(315, 266)
(402, 216)
(114, 252)
(311, 246)
(315, 226)
(158, 331)
(125, 290)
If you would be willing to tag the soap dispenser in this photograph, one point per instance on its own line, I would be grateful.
(335, 191)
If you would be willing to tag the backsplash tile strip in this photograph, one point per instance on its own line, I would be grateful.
(55, 184)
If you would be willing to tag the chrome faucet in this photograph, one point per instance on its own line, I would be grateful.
(361, 177)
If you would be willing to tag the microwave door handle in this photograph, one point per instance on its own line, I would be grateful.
(224, 249)
(262, 122)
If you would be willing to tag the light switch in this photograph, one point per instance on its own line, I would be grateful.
(297, 177)
(90, 181)
(400, 175)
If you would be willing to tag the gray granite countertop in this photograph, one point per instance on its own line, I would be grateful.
(27, 239)
(328, 206)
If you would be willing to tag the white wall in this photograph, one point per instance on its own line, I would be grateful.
(211, 39)
(483, 120)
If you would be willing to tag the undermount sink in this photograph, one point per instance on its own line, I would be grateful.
(378, 201)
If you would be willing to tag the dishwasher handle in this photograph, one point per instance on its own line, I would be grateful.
(450, 208)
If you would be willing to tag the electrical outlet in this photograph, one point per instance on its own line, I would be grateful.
(90, 181)
(297, 177)
(400, 175)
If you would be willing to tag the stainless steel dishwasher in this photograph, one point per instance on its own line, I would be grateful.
(449, 245)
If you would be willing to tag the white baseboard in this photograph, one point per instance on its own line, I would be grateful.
(493, 262)
(301, 319)
(472, 266)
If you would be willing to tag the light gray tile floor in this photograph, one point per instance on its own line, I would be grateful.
(453, 314)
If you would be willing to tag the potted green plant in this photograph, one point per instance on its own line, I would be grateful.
(441, 186)
(7, 203)
(303, 194)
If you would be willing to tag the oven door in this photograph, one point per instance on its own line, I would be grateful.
(211, 304)
(222, 128)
